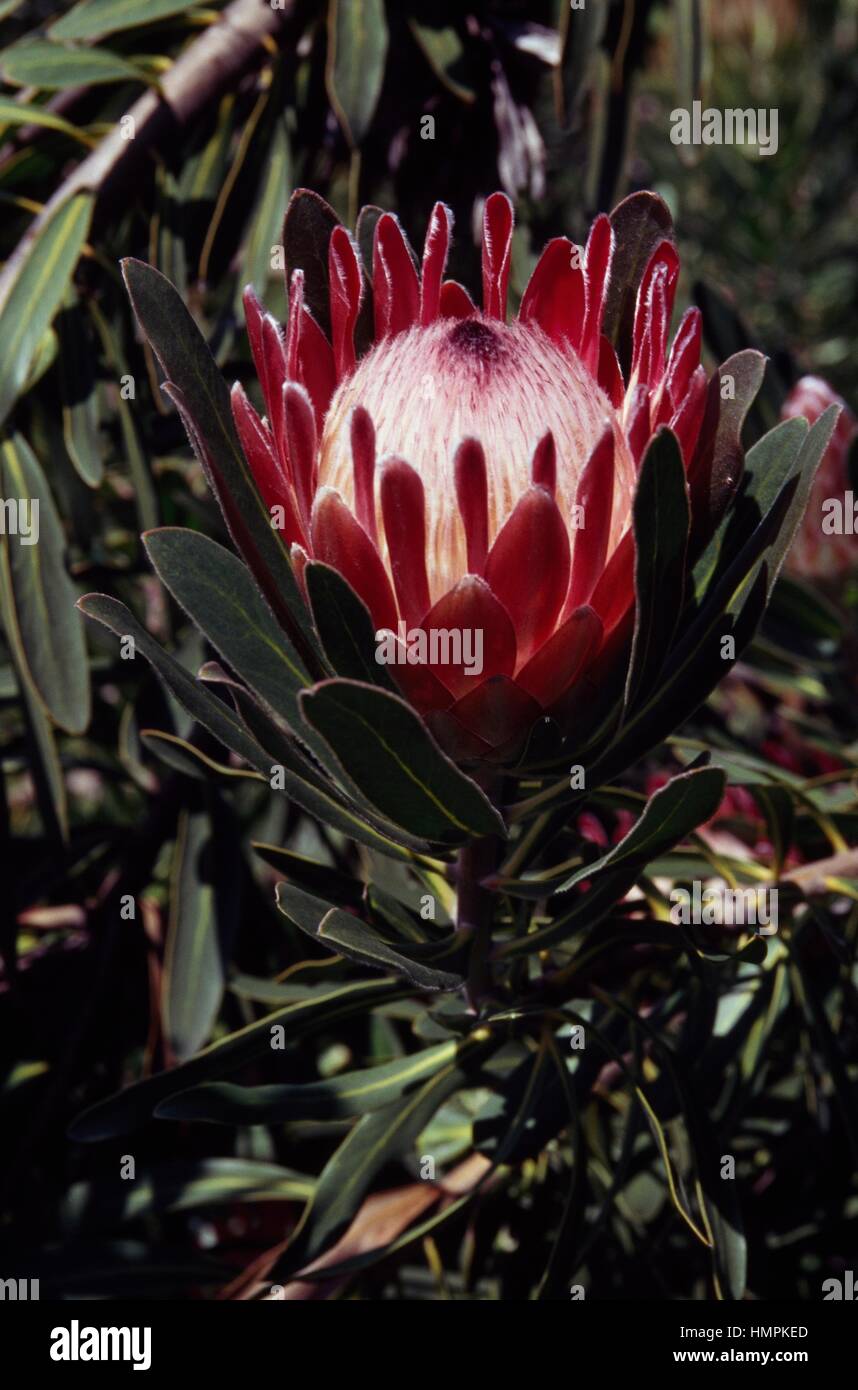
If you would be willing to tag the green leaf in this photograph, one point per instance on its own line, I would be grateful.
(732, 607)
(344, 625)
(53, 67)
(78, 391)
(580, 33)
(387, 751)
(33, 292)
(768, 466)
(217, 591)
(374, 1141)
(337, 1097)
(42, 594)
(145, 499)
(690, 42)
(202, 924)
(93, 19)
(349, 937)
(670, 814)
(47, 769)
(718, 470)
(661, 520)
(311, 875)
(179, 1186)
(202, 399)
(226, 726)
(357, 50)
(24, 113)
(805, 468)
(44, 358)
(811, 997)
(267, 215)
(445, 53)
(135, 1105)
(183, 757)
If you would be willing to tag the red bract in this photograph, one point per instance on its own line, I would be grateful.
(467, 472)
(818, 551)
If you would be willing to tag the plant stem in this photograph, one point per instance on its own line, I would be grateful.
(475, 904)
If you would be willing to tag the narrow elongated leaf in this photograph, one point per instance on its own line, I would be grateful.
(387, 751)
(78, 387)
(444, 50)
(202, 397)
(93, 19)
(580, 33)
(690, 41)
(671, 813)
(375, 1140)
(36, 293)
(344, 625)
(203, 920)
(309, 874)
(183, 757)
(357, 49)
(768, 466)
(135, 1105)
(51, 66)
(661, 520)
(42, 594)
(47, 769)
(220, 720)
(212, 713)
(145, 499)
(218, 592)
(335, 1098)
(732, 608)
(267, 215)
(843, 1084)
(350, 937)
(23, 113)
(180, 1186)
(804, 470)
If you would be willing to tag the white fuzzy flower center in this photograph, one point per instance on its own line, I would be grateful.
(430, 388)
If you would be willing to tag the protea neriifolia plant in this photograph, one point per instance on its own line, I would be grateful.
(574, 485)
(571, 485)
(467, 474)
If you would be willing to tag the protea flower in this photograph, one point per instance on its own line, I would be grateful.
(818, 552)
(466, 473)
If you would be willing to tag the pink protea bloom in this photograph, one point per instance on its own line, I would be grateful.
(467, 473)
(815, 552)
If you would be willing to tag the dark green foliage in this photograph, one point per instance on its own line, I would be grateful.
(230, 938)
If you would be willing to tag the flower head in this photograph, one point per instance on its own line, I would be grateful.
(465, 472)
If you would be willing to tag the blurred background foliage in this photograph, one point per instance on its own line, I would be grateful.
(391, 104)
